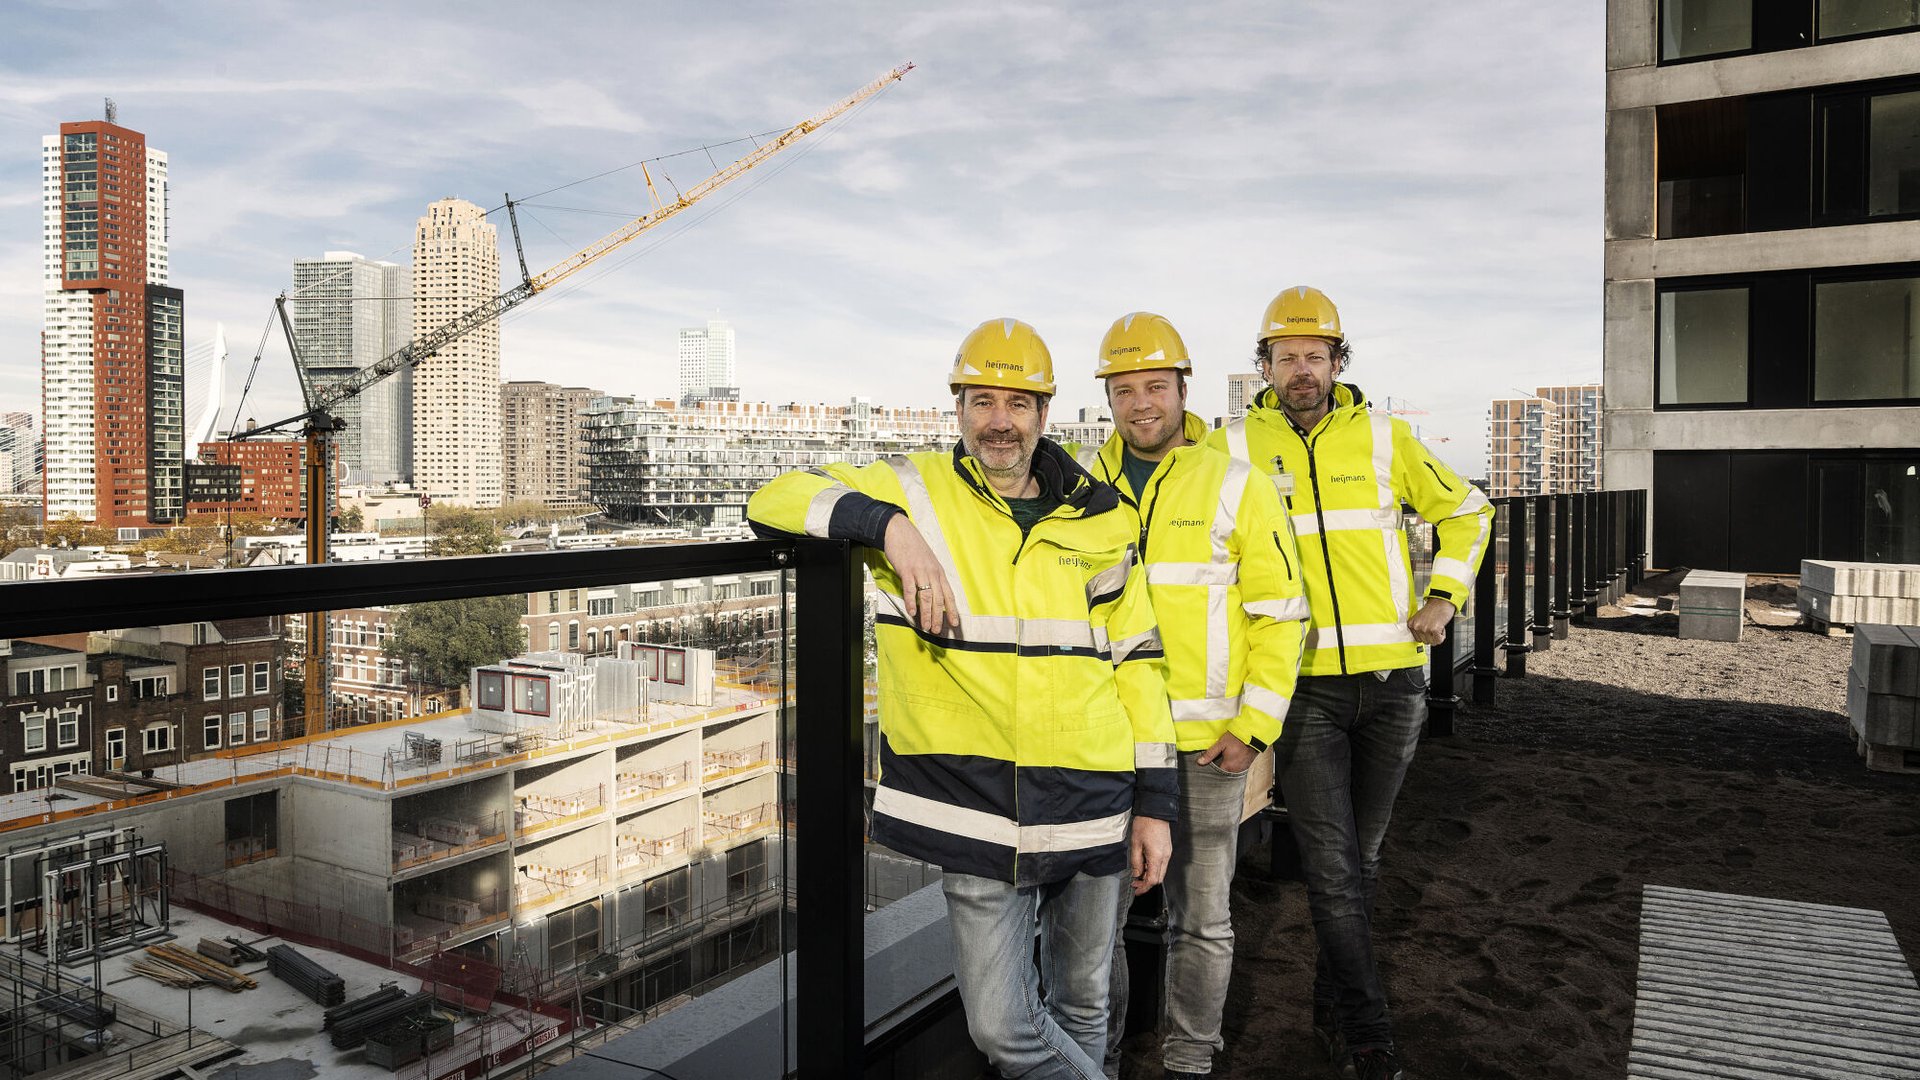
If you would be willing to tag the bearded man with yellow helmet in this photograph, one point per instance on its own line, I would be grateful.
(1026, 744)
(1358, 710)
(1225, 583)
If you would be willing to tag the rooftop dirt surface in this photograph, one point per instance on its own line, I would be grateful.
(1507, 923)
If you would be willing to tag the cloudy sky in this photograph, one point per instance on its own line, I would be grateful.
(1435, 168)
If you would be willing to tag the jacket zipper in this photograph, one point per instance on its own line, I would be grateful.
(1326, 552)
(1281, 548)
(1436, 475)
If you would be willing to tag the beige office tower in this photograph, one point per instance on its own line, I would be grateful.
(542, 444)
(456, 393)
(1242, 388)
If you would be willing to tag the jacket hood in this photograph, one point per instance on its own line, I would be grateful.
(1060, 476)
(1345, 396)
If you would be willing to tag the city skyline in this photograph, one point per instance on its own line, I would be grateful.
(1018, 171)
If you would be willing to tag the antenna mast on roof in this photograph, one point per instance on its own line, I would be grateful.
(113, 112)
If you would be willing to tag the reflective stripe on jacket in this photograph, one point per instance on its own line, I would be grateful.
(1226, 589)
(1018, 745)
(1345, 482)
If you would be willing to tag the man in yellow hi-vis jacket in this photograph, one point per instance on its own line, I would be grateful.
(1358, 710)
(1225, 583)
(1026, 744)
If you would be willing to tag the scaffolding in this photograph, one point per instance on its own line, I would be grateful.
(89, 895)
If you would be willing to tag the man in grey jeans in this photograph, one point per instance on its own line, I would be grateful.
(1225, 583)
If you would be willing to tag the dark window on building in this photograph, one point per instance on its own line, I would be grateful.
(1866, 340)
(530, 695)
(1869, 155)
(493, 690)
(1702, 162)
(1703, 352)
(253, 824)
(666, 978)
(746, 868)
(1892, 508)
(1693, 29)
(1893, 154)
(573, 935)
(666, 900)
(1856, 18)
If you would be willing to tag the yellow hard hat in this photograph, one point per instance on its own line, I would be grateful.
(1003, 353)
(1142, 341)
(1301, 311)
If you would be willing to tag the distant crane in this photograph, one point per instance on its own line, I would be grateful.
(319, 424)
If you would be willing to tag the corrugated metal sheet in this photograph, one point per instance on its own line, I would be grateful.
(1746, 988)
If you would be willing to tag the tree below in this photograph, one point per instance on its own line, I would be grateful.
(442, 641)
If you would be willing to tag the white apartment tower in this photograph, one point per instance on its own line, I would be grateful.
(456, 393)
(348, 313)
(706, 363)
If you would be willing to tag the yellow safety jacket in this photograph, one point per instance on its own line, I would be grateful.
(1345, 483)
(1019, 745)
(1226, 588)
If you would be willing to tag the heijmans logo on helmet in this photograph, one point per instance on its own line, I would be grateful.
(1003, 365)
(1121, 350)
(1303, 319)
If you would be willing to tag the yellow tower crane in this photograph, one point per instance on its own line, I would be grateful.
(318, 423)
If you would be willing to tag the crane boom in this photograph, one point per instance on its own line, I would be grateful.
(322, 397)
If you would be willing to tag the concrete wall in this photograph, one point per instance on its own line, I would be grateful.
(341, 827)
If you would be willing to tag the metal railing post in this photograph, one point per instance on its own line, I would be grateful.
(831, 977)
(1590, 603)
(1542, 572)
(1562, 563)
(1517, 588)
(1441, 699)
(1486, 603)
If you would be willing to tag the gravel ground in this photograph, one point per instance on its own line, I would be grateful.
(1507, 925)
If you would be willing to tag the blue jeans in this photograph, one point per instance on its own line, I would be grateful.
(1199, 923)
(1341, 757)
(1022, 1033)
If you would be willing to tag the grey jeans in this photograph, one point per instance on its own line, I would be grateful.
(1199, 923)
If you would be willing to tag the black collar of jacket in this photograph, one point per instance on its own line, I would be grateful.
(1059, 476)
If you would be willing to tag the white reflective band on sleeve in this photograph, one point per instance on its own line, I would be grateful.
(1453, 568)
(1192, 573)
(1154, 755)
(1266, 701)
(994, 829)
(1292, 607)
(1220, 708)
(1226, 512)
(1149, 639)
(920, 508)
(1219, 640)
(1363, 634)
(1237, 440)
(1475, 503)
(820, 509)
(1112, 579)
(1308, 524)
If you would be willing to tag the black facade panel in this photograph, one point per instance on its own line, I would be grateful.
(1690, 523)
(1838, 493)
(1840, 168)
(1782, 24)
(1779, 309)
(1767, 511)
(1779, 157)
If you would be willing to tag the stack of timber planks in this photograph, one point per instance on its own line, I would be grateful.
(175, 966)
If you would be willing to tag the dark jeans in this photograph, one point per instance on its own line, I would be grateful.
(1342, 755)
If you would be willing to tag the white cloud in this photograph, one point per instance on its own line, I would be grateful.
(1436, 169)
